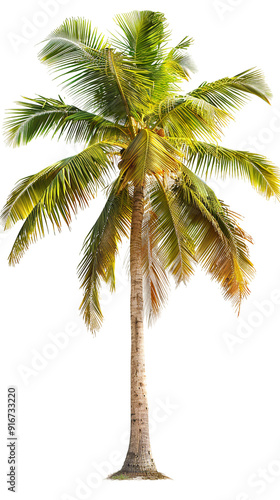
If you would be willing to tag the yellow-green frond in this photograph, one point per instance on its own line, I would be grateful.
(221, 244)
(212, 160)
(170, 235)
(99, 252)
(190, 117)
(53, 196)
(155, 280)
(147, 154)
(232, 92)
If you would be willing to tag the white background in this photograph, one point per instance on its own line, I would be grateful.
(213, 378)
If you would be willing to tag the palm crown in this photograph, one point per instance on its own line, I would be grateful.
(138, 128)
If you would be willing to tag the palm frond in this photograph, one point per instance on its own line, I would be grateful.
(39, 116)
(99, 251)
(170, 235)
(155, 280)
(89, 128)
(220, 242)
(190, 117)
(168, 75)
(232, 93)
(210, 159)
(83, 173)
(53, 195)
(179, 62)
(144, 37)
(147, 154)
(100, 79)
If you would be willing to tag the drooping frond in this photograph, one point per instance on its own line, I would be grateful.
(39, 116)
(232, 93)
(220, 242)
(147, 154)
(190, 117)
(209, 159)
(155, 280)
(53, 195)
(174, 243)
(99, 252)
(100, 79)
(82, 173)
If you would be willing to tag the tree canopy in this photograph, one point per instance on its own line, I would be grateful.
(138, 126)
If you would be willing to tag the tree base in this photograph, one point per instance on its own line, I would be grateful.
(122, 475)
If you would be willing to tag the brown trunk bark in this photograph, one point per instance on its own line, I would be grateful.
(139, 457)
(139, 461)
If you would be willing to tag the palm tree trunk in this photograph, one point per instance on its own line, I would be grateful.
(139, 461)
(139, 456)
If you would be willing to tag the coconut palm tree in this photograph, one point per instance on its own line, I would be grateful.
(150, 144)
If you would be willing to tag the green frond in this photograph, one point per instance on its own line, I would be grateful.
(100, 79)
(143, 37)
(232, 93)
(99, 252)
(26, 194)
(74, 38)
(168, 75)
(179, 62)
(209, 159)
(147, 154)
(33, 228)
(185, 43)
(53, 195)
(220, 242)
(178, 65)
(170, 235)
(190, 117)
(89, 128)
(39, 116)
(155, 280)
(35, 117)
